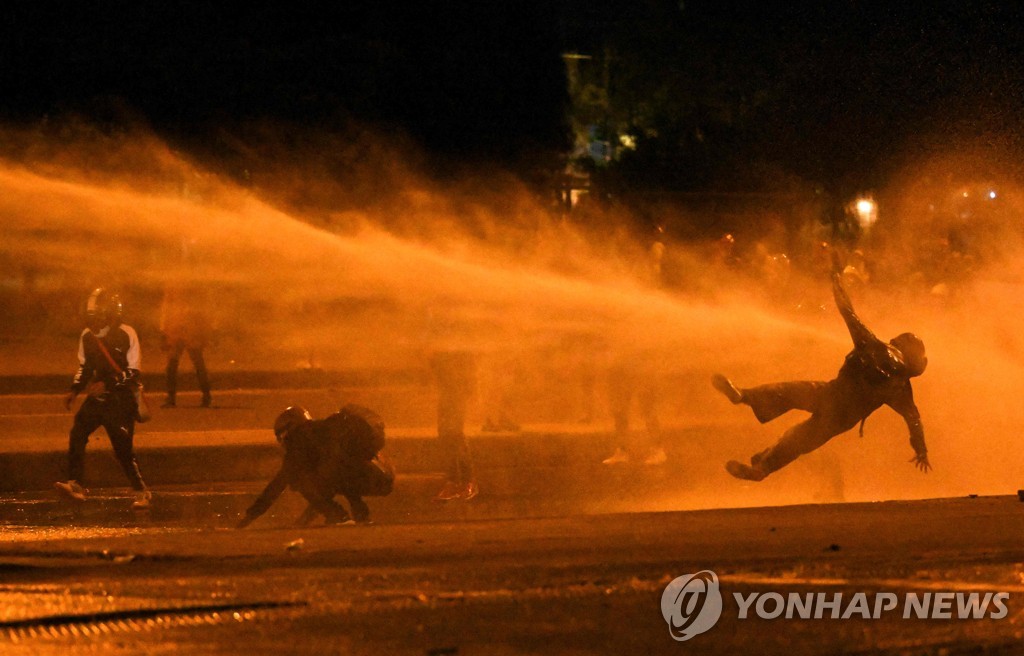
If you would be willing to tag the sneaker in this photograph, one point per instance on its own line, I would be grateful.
(656, 457)
(469, 491)
(450, 491)
(71, 490)
(142, 500)
(744, 472)
(725, 386)
(620, 456)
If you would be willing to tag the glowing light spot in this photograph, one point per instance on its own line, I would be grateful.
(992, 194)
(866, 211)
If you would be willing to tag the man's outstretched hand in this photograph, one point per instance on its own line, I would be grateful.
(921, 462)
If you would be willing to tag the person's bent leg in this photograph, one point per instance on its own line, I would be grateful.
(647, 399)
(87, 420)
(795, 442)
(775, 399)
(307, 516)
(322, 501)
(120, 426)
(202, 375)
(451, 426)
(172, 374)
(360, 511)
(620, 396)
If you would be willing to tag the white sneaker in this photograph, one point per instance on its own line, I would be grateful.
(71, 490)
(620, 456)
(656, 457)
(142, 500)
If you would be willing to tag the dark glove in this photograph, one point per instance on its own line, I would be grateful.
(126, 377)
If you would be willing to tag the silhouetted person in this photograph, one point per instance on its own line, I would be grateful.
(656, 256)
(875, 373)
(184, 328)
(455, 373)
(724, 254)
(339, 454)
(108, 366)
(628, 378)
(500, 377)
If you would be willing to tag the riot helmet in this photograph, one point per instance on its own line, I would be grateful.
(288, 420)
(102, 309)
(912, 349)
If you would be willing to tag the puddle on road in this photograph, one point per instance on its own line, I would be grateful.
(21, 534)
(31, 613)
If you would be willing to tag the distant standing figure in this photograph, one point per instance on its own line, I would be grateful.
(109, 358)
(630, 378)
(455, 373)
(656, 256)
(499, 378)
(184, 327)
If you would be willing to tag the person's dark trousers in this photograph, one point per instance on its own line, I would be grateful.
(776, 399)
(623, 384)
(196, 355)
(831, 411)
(116, 414)
(451, 422)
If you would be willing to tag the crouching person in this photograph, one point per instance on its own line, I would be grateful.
(323, 458)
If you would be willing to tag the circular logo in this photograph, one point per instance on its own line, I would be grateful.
(691, 604)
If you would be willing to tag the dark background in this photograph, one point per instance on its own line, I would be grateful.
(836, 93)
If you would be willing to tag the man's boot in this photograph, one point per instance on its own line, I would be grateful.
(745, 472)
(725, 386)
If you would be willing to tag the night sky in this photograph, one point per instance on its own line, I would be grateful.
(832, 89)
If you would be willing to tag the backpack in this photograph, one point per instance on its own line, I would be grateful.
(359, 430)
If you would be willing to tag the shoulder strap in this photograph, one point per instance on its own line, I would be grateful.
(106, 353)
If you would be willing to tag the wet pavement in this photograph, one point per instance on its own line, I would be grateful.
(558, 555)
(573, 584)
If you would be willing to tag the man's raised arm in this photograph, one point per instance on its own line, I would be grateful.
(858, 331)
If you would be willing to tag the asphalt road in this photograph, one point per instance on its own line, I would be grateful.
(556, 585)
(541, 563)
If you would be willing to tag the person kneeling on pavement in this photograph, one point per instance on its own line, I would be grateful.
(340, 454)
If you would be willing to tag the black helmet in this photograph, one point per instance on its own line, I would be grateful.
(289, 419)
(912, 349)
(103, 308)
